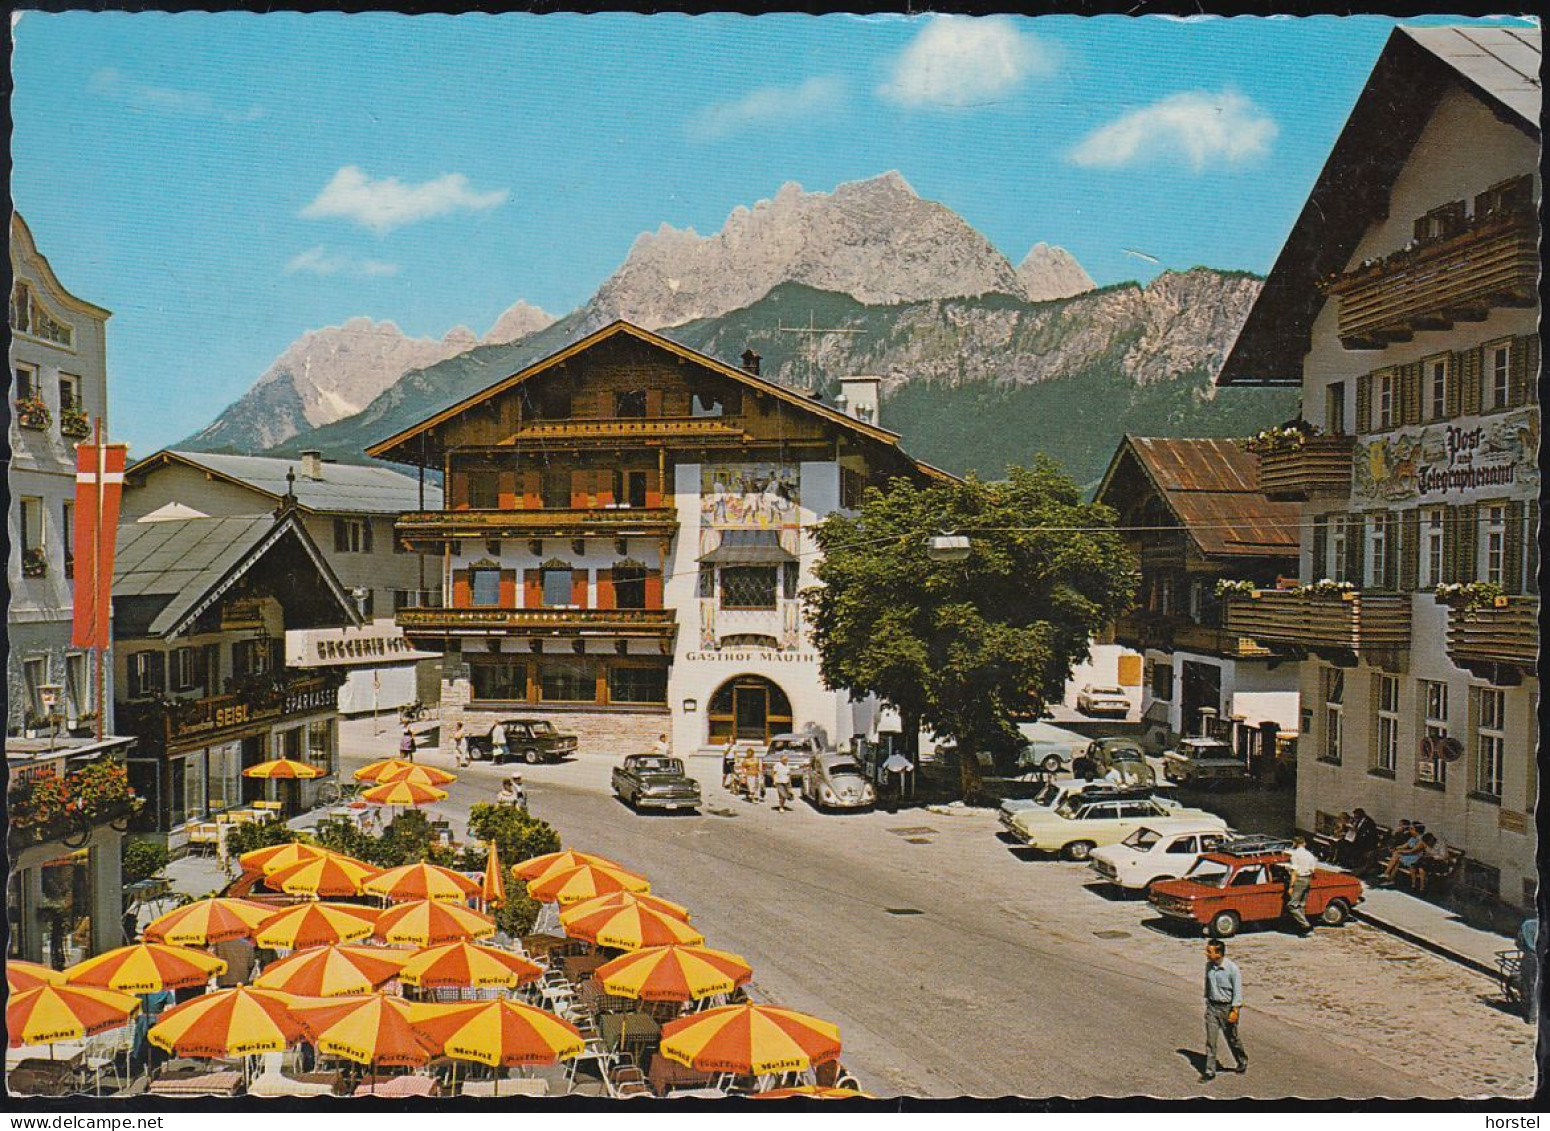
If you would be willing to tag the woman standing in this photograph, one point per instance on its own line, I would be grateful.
(460, 744)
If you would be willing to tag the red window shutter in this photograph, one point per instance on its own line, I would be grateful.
(508, 490)
(508, 588)
(653, 489)
(604, 485)
(605, 589)
(578, 588)
(578, 489)
(532, 588)
(532, 490)
(462, 595)
(653, 589)
(457, 495)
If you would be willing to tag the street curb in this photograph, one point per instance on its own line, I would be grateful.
(1427, 944)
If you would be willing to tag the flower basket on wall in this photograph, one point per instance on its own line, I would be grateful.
(73, 424)
(34, 562)
(33, 413)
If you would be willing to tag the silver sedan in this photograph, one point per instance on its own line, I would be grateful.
(835, 781)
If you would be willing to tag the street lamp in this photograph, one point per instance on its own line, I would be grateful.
(947, 547)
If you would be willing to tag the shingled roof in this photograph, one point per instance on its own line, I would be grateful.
(1211, 487)
(343, 488)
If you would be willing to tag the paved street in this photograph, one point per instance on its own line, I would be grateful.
(955, 965)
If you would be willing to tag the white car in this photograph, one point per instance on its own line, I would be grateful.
(1105, 700)
(1160, 850)
(1091, 820)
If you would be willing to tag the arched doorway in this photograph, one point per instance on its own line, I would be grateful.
(749, 707)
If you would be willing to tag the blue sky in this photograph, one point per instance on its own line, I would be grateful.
(226, 182)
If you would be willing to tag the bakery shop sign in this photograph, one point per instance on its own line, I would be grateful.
(377, 643)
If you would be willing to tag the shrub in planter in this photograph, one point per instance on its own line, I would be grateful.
(143, 860)
(1468, 596)
(73, 424)
(33, 413)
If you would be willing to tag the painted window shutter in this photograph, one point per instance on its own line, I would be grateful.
(1364, 403)
(653, 489)
(1410, 550)
(532, 489)
(1530, 349)
(1469, 390)
(1410, 394)
(580, 481)
(1390, 578)
(1512, 548)
(532, 588)
(1320, 563)
(605, 589)
(1450, 545)
(462, 595)
(507, 496)
(508, 588)
(1355, 549)
(1531, 537)
(653, 589)
(578, 588)
(604, 486)
(457, 494)
(1468, 540)
(1517, 376)
(654, 402)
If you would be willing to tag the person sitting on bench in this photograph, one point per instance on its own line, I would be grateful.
(1407, 854)
(1437, 860)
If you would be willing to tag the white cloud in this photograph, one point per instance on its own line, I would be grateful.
(110, 82)
(767, 104)
(320, 261)
(383, 204)
(965, 61)
(1202, 128)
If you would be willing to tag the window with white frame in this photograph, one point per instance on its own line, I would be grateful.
(32, 531)
(1500, 369)
(1385, 400)
(1490, 740)
(1431, 765)
(1493, 544)
(1432, 522)
(558, 590)
(34, 676)
(1337, 535)
(1385, 753)
(352, 536)
(182, 669)
(1378, 549)
(77, 684)
(26, 386)
(1437, 388)
(1333, 680)
(69, 392)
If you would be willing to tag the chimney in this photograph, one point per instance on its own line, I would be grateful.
(859, 398)
(312, 464)
(750, 362)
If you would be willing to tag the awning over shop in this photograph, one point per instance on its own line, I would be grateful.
(749, 547)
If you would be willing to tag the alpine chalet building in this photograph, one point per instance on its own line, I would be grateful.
(625, 536)
(1404, 304)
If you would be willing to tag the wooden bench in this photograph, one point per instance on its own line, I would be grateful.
(1419, 876)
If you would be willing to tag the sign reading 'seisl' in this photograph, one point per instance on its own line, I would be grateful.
(1488, 457)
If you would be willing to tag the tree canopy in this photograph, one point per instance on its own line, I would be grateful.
(967, 648)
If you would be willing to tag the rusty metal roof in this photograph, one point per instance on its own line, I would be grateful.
(1212, 488)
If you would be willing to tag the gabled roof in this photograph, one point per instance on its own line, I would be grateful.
(1211, 487)
(345, 488)
(166, 573)
(1499, 65)
(22, 242)
(384, 449)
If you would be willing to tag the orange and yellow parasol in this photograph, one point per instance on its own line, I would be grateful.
(375, 771)
(146, 967)
(585, 881)
(501, 1033)
(20, 975)
(421, 881)
(404, 793)
(468, 964)
(240, 1021)
(535, 867)
(416, 773)
(492, 888)
(48, 1013)
(618, 899)
(428, 923)
(265, 861)
(368, 1029)
(334, 970)
(327, 876)
(673, 973)
(284, 769)
(750, 1040)
(630, 926)
(316, 924)
(207, 921)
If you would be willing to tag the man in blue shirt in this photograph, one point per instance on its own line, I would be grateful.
(1224, 997)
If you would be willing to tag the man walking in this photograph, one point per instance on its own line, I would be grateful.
(1300, 863)
(498, 752)
(781, 775)
(1224, 998)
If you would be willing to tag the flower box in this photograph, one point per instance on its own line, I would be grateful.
(33, 413)
(34, 562)
(73, 424)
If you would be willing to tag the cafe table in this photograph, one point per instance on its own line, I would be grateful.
(206, 1084)
(635, 1030)
(578, 967)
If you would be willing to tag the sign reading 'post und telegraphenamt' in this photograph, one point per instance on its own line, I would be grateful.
(1491, 457)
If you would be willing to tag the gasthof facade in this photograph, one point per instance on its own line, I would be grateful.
(626, 534)
(1405, 306)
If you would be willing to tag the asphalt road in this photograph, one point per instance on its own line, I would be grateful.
(955, 967)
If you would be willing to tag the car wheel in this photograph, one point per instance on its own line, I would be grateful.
(1078, 850)
(1225, 924)
(1051, 764)
(1336, 912)
(530, 757)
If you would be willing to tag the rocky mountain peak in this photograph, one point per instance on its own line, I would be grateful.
(1048, 273)
(518, 320)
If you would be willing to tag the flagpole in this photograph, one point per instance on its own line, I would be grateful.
(96, 575)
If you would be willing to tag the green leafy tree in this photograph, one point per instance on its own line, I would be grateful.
(143, 860)
(253, 835)
(518, 835)
(966, 648)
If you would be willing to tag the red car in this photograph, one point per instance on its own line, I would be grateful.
(1228, 888)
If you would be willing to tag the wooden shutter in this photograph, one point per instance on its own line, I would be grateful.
(1517, 373)
(605, 589)
(1512, 548)
(508, 589)
(580, 486)
(653, 589)
(1390, 579)
(603, 484)
(578, 588)
(1467, 522)
(1453, 395)
(1469, 383)
(654, 402)
(506, 490)
(1320, 564)
(1409, 394)
(462, 591)
(1364, 403)
(532, 489)
(1410, 550)
(1355, 549)
(1530, 346)
(1531, 538)
(1450, 545)
(156, 673)
(365, 535)
(532, 588)
(653, 489)
(457, 491)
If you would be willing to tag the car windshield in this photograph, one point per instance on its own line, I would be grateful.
(785, 745)
(541, 728)
(1212, 873)
(1107, 691)
(838, 768)
(659, 766)
(1142, 839)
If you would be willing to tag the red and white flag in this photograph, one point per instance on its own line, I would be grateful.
(99, 482)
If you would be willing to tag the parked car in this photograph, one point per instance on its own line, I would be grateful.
(799, 749)
(1051, 794)
(654, 781)
(1089, 820)
(1107, 753)
(1047, 747)
(1160, 850)
(1205, 761)
(1102, 699)
(1246, 884)
(532, 740)
(835, 781)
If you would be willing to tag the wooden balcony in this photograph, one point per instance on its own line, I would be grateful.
(1140, 630)
(597, 522)
(1507, 636)
(1289, 621)
(583, 431)
(1493, 262)
(1320, 465)
(248, 702)
(435, 622)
